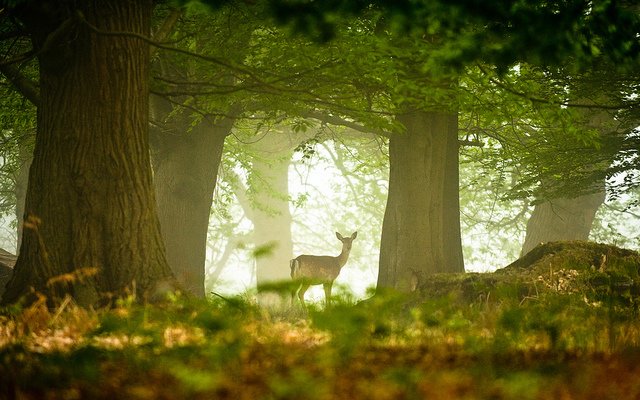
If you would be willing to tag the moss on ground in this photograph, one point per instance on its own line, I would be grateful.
(557, 267)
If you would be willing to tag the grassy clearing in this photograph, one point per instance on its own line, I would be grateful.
(505, 335)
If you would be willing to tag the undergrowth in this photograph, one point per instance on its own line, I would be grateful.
(501, 344)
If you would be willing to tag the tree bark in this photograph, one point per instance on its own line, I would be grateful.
(562, 219)
(90, 201)
(186, 163)
(421, 226)
(570, 218)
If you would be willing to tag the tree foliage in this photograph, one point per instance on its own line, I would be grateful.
(499, 32)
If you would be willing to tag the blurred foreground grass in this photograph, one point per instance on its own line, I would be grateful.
(562, 331)
(552, 347)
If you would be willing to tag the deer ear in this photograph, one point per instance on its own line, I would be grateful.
(339, 236)
(354, 235)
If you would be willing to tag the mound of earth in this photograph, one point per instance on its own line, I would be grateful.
(576, 255)
(560, 267)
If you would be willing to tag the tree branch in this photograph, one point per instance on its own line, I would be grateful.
(164, 46)
(25, 86)
(166, 28)
(332, 119)
(242, 70)
(534, 99)
(470, 143)
(240, 190)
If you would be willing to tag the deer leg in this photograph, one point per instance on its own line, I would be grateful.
(303, 289)
(327, 292)
(294, 292)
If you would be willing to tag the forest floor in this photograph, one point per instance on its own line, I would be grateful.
(561, 323)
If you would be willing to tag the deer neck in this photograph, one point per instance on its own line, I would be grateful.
(343, 257)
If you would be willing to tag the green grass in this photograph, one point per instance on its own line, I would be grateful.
(559, 324)
(496, 343)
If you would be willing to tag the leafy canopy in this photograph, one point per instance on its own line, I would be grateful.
(503, 32)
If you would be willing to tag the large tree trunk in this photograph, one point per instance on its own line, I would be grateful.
(186, 162)
(421, 226)
(562, 219)
(90, 200)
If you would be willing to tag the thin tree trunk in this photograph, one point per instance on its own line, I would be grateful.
(22, 182)
(421, 226)
(266, 203)
(272, 219)
(90, 201)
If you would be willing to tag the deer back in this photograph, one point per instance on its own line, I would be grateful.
(315, 269)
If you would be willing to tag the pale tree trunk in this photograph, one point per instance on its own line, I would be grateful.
(562, 219)
(421, 226)
(186, 160)
(570, 218)
(90, 199)
(271, 218)
(266, 203)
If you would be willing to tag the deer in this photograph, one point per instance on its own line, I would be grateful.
(308, 270)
